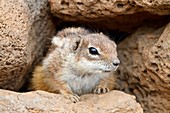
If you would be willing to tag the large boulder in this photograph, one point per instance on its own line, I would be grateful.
(43, 102)
(123, 15)
(25, 27)
(145, 67)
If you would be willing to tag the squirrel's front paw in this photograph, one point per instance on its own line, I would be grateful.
(73, 97)
(101, 89)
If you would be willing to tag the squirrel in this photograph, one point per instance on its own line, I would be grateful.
(79, 62)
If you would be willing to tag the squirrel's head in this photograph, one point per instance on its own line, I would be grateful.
(95, 53)
(89, 52)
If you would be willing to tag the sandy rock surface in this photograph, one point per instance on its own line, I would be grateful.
(44, 102)
(103, 8)
(25, 27)
(145, 67)
(125, 15)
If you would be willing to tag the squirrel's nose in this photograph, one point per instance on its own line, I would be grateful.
(116, 62)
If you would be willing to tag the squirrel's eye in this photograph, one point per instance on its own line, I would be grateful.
(93, 51)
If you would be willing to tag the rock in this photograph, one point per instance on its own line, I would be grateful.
(25, 27)
(44, 102)
(123, 15)
(145, 67)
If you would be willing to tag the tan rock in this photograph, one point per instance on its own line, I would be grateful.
(145, 67)
(43, 102)
(104, 8)
(25, 27)
(124, 15)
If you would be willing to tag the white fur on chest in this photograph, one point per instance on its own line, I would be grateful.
(82, 84)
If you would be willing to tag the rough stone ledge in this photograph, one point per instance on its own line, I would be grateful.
(123, 15)
(83, 9)
(43, 102)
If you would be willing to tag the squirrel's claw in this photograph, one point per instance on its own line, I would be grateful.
(74, 98)
(101, 89)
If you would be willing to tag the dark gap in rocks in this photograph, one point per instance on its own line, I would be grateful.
(115, 35)
(126, 23)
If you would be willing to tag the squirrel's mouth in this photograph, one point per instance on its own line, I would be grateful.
(107, 71)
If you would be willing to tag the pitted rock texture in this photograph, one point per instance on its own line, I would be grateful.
(145, 67)
(43, 102)
(24, 28)
(125, 15)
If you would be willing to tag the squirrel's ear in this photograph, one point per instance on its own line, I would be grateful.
(57, 41)
(77, 43)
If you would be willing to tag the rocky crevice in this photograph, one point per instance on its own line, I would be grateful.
(27, 26)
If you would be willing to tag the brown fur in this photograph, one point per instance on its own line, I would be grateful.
(63, 70)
